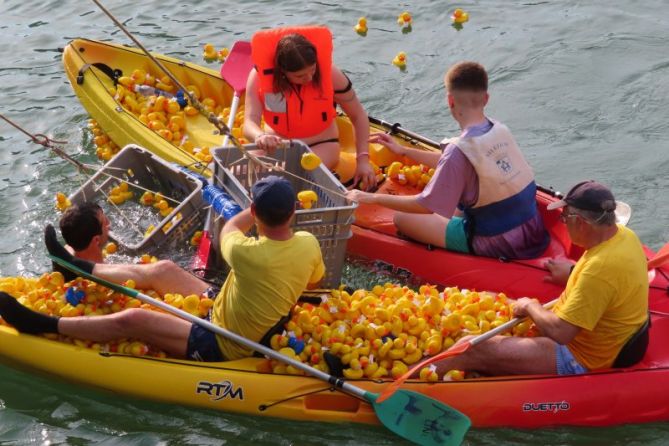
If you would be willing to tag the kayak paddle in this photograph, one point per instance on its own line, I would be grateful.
(393, 387)
(235, 71)
(411, 415)
(660, 258)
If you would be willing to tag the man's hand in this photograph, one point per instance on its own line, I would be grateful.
(559, 271)
(521, 306)
(388, 141)
(364, 174)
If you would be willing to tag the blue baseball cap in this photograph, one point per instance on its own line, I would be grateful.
(274, 199)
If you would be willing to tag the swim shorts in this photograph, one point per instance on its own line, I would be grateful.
(566, 364)
(202, 344)
(456, 237)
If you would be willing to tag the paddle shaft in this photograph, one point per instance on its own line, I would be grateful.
(231, 119)
(332, 380)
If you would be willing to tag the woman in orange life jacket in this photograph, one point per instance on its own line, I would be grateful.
(294, 87)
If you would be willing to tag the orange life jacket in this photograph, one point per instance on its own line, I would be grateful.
(289, 113)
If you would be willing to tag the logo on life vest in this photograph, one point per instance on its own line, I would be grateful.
(546, 407)
(504, 164)
(220, 390)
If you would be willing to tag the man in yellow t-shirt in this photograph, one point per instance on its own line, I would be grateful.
(603, 305)
(268, 273)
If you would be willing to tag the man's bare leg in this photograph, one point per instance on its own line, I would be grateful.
(163, 276)
(164, 331)
(506, 355)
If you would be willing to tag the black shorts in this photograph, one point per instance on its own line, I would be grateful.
(202, 344)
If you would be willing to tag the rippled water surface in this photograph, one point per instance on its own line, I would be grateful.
(583, 86)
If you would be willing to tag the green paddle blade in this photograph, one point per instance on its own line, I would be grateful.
(421, 419)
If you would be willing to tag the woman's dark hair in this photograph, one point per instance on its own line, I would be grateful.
(80, 223)
(294, 52)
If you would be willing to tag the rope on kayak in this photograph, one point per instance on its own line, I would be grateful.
(211, 117)
(43, 140)
(264, 407)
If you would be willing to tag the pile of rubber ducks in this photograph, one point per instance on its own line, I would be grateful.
(417, 175)
(380, 333)
(156, 107)
(51, 295)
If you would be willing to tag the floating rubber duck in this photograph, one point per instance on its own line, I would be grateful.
(223, 54)
(209, 54)
(459, 16)
(404, 20)
(400, 60)
(62, 202)
(111, 248)
(310, 161)
(361, 26)
(307, 198)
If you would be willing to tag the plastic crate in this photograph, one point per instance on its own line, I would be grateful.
(143, 170)
(329, 220)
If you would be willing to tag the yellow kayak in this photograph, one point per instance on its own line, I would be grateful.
(94, 69)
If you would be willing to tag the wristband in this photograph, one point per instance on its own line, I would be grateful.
(361, 154)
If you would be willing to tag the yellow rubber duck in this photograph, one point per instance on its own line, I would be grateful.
(195, 239)
(62, 202)
(400, 60)
(223, 54)
(209, 54)
(307, 198)
(404, 19)
(310, 161)
(459, 16)
(361, 26)
(111, 248)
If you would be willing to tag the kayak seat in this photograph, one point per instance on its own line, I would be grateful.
(635, 347)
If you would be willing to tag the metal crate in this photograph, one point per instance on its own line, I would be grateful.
(143, 170)
(330, 221)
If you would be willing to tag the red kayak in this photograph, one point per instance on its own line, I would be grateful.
(375, 237)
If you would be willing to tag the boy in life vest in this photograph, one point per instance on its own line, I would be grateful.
(294, 88)
(481, 199)
(267, 276)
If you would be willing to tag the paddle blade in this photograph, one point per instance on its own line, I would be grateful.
(421, 419)
(392, 387)
(237, 65)
(660, 258)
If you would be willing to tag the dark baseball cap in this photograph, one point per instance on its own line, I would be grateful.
(588, 196)
(274, 199)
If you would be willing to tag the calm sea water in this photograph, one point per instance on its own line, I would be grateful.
(583, 85)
